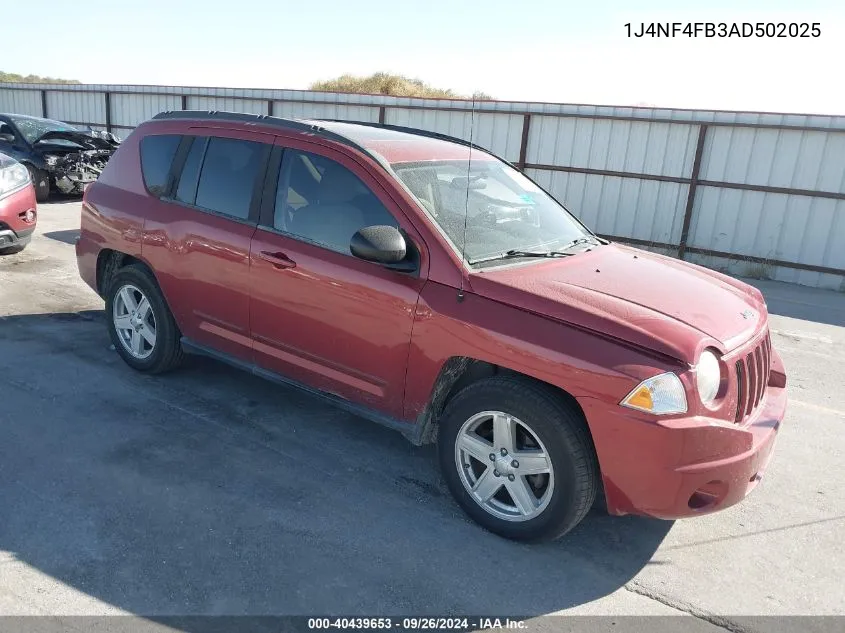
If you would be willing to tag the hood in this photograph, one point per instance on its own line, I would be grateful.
(84, 139)
(666, 305)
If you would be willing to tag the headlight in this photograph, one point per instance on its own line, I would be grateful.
(12, 177)
(661, 395)
(51, 160)
(708, 376)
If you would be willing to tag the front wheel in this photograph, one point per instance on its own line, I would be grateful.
(518, 458)
(41, 182)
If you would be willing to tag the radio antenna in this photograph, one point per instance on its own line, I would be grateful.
(466, 200)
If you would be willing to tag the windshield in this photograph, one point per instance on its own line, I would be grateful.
(32, 129)
(504, 210)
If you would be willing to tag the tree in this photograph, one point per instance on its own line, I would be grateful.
(388, 84)
(32, 79)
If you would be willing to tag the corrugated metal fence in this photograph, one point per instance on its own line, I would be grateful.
(754, 194)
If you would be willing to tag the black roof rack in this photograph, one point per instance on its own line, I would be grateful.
(314, 128)
(412, 130)
(264, 119)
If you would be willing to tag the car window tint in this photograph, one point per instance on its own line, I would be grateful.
(187, 189)
(157, 152)
(322, 201)
(227, 179)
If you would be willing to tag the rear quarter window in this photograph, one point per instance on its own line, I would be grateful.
(157, 152)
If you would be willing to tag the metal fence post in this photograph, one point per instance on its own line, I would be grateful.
(693, 185)
(43, 103)
(107, 96)
(381, 114)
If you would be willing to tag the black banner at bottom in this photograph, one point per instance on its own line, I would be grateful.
(524, 624)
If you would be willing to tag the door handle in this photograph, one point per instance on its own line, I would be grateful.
(279, 260)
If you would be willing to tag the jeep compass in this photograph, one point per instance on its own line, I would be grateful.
(426, 284)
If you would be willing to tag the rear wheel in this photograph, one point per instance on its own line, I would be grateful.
(518, 458)
(41, 182)
(140, 324)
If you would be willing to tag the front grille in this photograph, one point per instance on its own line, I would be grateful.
(752, 377)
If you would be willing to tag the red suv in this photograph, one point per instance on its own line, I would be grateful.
(428, 285)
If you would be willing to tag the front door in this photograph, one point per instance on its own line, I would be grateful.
(319, 315)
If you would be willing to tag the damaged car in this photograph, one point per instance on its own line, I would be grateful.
(60, 157)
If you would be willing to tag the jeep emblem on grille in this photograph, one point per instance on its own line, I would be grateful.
(747, 314)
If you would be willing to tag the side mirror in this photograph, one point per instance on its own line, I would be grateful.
(7, 137)
(381, 244)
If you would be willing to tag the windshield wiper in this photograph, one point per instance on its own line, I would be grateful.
(582, 240)
(514, 254)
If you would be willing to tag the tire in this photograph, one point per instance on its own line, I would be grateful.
(41, 182)
(134, 283)
(550, 429)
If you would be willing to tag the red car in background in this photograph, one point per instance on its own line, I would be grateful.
(18, 212)
(428, 285)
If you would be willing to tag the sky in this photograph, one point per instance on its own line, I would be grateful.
(522, 50)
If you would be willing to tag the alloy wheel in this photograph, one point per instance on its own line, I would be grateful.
(504, 466)
(134, 321)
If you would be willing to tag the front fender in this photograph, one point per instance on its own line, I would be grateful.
(578, 362)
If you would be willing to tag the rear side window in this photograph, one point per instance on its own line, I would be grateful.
(228, 175)
(157, 154)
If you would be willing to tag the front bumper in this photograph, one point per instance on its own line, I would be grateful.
(15, 229)
(684, 466)
(71, 183)
(11, 239)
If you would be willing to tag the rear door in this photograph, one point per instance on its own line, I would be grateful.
(197, 238)
(319, 315)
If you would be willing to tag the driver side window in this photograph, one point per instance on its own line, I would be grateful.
(321, 201)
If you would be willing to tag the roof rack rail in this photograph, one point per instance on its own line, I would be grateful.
(312, 126)
(293, 124)
(412, 130)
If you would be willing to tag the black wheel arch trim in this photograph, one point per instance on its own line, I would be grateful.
(115, 260)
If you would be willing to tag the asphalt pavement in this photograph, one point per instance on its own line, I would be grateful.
(210, 491)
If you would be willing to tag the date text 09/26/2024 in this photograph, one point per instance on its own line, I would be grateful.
(417, 623)
(724, 29)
